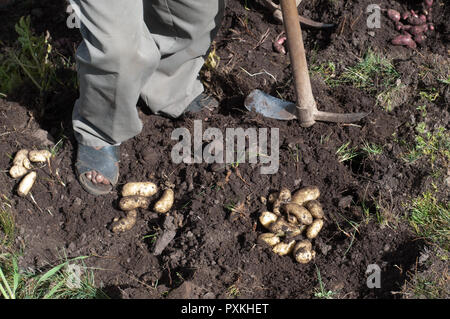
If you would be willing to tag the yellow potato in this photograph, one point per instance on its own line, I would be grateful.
(39, 156)
(134, 202)
(301, 213)
(285, 195)
(17, 171)
(283, 249)
(303, 255)
(314, 229)
(164, 204)
(125, 223)
(303, 244)
(315, 208)
(26, 184)
(276, 207)
(267, 218)
(145, 189)
(269, 239)
(283, 228)
(291, 219)
(305, 195)
(21, 159)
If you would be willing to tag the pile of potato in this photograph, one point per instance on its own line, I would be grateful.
(137, 195)
(21, 166)
(291, 216)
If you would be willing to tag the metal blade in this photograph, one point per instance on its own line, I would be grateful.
(270, 106)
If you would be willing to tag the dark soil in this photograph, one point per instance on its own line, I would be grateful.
(215, 249)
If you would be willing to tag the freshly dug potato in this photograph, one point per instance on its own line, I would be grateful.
(134, 202)
(21, 159)
(285, 195)
(303, 252)
(276, 207)
(303, 244)
(17, 171)
(300, 212)
(267, 218)
(315, 208)
(39, 156)
(26, 184)
(283, 249)
(269, 239)
(125, 223)
(304, 256)
(291, 219)
(283, 228)
(314, 229)
(145, 189)
(164, 204)
(305, 195)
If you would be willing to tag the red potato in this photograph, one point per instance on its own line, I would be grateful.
(418, 29)
(400, 26)
(430, 27)
(394, 15)
(278, 45)
(404, 39)
(428, 3)
(413, 20)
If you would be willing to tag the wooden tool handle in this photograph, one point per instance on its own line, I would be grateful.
(306, 105)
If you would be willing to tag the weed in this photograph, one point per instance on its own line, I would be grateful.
(7, 223)
(371, 149)
(60, 282)
(321, 292)
(429, 144)
(345, 153)
(431, 219)
(233, 291)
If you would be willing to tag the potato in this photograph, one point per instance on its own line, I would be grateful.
(305, 195)
(315, 208)
(300, 212)
(269, 239)
(21, 159)
(285, 195)
(134, 202)
(125, 223)
(164, 204)
(394, 15)
(291, 219)
(39, 156)
(26, 184)
(17, 171)
(404, 39)
(303, 244)
(283, 249)
(303, 255)
(145, 189)
(276, 207)
(314, 229)
(267, 218)
(283, 228)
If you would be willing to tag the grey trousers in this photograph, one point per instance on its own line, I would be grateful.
(153, 49)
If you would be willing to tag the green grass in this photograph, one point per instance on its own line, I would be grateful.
(373, 74)
(430, 145)
(59, 282)
(321, 292)
(431, 219)
(7, 223)
(346, 153)
(371, 149)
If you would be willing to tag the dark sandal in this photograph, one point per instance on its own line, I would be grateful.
(104, 160)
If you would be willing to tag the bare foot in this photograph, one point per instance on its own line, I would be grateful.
(97, 178)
